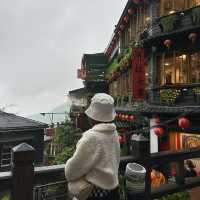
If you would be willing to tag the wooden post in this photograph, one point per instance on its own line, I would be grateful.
(180, 176)
(23, 172)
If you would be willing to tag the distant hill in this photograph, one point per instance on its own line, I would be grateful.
(64, 108)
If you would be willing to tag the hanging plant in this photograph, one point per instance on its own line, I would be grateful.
(169, 96)
(168, 23)
(196, 92)
(196, 16)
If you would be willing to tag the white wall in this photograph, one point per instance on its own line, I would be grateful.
(153, 138)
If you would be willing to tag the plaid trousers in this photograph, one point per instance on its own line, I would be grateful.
(101, 194)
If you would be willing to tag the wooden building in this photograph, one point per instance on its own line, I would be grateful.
(92, 72)
(15, 130)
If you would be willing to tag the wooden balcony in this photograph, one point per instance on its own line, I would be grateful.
(42, 183)
(184, 21)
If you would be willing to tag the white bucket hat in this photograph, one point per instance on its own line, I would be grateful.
(101, 108)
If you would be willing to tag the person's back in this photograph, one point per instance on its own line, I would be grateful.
(97, 154)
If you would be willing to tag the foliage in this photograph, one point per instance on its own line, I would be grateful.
(64, 155)
(168, 22)
(196, 15)
(177, 196)
(65, 137)
(169, 96)
(64, 134)
(122, 61)
(122, 187)
(196, 91)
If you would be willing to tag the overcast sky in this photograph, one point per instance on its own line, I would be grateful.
(41, 45)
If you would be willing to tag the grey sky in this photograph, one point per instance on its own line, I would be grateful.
(41, 45)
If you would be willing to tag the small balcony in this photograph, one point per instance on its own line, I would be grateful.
(177, 95)
(184, 21)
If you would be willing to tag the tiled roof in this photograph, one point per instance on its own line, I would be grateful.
(13, 122)
(157, 109)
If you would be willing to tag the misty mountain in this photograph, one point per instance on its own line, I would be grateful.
(62, 114)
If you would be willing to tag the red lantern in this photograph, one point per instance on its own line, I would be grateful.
(131, 117)
(136, 1)
(192, 37)
(168, 43)
(130, 11)
(184, 123)
(122, 26)
(159, 131)
(126, 18)
(123, 117)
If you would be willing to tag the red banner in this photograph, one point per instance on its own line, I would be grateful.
(138, 73)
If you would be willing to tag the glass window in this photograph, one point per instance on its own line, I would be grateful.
(174, 69)
(195, 67)
(171, 6)
(193, 3)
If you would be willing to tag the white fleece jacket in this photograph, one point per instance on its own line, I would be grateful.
(97, 157)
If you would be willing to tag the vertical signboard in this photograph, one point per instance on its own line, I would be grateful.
(138, 73)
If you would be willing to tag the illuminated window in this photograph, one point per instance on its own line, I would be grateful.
(179, 68)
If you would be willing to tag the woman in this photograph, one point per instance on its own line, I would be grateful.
(97, 155)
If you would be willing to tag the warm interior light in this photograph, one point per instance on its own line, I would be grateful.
(172, 11)
(183, 57)
(167, 64)
(146, 74)
(147, 19)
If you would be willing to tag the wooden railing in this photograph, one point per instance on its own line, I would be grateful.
(177, 94)
(25, 182)
(179, 21)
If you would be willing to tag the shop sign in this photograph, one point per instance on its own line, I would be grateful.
(82, 73)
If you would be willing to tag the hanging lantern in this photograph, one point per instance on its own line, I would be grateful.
(119, 33)
(123, 117)
(192, 37)
(126, 18)
(184, 123)
(130, 11)
(131, 117)
(168, 43)
(126, 117)
(159, 131)
(136, 1)
(122, 26)
(122, 139)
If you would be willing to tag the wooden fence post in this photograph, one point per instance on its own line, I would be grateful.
(180, 174)
(23, 172)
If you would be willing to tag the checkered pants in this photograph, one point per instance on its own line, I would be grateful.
(101, 194)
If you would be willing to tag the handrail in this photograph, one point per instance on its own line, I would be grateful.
(52, 174)
(176, 86)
